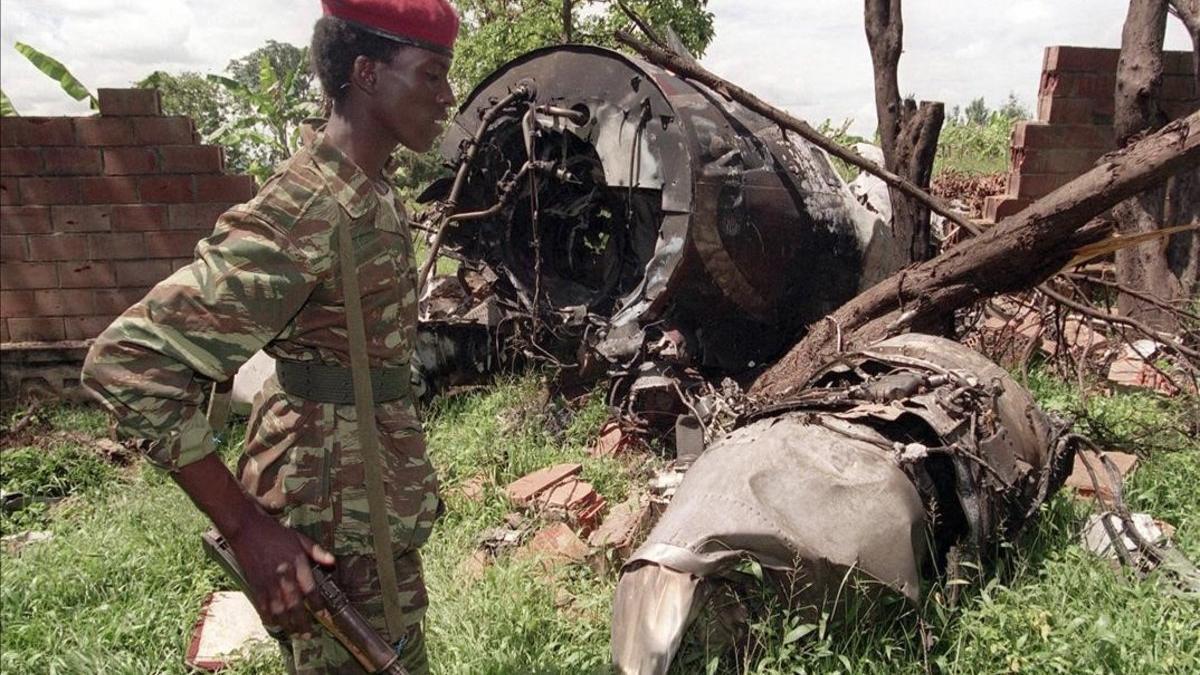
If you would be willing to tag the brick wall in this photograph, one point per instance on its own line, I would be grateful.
(96, 210)
(1074, 121)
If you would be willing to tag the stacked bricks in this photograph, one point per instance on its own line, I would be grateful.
(96, 210)
(1075, 118)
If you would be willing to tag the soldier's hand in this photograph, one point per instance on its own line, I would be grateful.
(277, 562)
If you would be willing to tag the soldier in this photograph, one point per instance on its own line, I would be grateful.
(268, 277)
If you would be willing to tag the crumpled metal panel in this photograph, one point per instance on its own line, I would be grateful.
(841, 481)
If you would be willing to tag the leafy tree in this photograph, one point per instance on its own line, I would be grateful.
(190, 94)
(284, 58)
(495, 31)
(976, 112)
(266, 113)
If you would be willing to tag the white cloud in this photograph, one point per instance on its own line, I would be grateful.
(808, 56)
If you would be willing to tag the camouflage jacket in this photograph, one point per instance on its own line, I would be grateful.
(268, 278)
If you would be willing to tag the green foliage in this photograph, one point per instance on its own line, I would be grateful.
(56, 71)
(268, 110)
(495, 31)
(6, 106)
(194, 95)
(123, 578)
(977, 140)
(841, 135)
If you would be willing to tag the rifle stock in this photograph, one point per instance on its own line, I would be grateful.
(338, 616)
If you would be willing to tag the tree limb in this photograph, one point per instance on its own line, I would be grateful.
(693, 71)
(1022, 251)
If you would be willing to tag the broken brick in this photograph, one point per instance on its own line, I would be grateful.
(611, 441)
(1081, 482)
(555, 545)
(623, 526)
(524, 489)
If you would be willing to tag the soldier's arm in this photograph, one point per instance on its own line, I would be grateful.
(199, 325)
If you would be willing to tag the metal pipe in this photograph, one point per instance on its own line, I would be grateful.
(519, 93)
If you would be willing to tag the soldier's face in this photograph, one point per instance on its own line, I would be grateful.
(413, 96)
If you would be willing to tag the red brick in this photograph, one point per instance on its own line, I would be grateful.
(50, 302)
(130, 160)
(4, 337)
(555, 545)
(1078, 85)
(20, 161)
(1075, 110)
(1042, 135)
(86, 274)
(108, 190)
(1178, 109)
(195, 216)
(163, 131)
(116, 300)
(527, 487)
(170, 244)
(191, 158)
(71, 161)
(17, 303)
(138, 217)
(104, 131)
(129, 102)
(1178, 88)
(1035, 185)
(50, 190)
(1060, 160)
(58, 247)
(10, 193)
(14, 248)
(1088, 59)
(227, 189)
(23, 276)
(24, 219)
(166, 189)
(37, 131)
(141, 272)
(37, 329)
(95, 218)
(113, 246)
(1178, 63)
(999, 207)
(86, 327)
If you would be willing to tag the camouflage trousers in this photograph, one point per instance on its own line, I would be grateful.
(302, 462)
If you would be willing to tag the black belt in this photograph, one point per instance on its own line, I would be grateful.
(324, 383)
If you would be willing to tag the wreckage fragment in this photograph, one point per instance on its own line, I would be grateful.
(883, 464)
(613, 199)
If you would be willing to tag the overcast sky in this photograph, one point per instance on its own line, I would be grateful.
(807, 56)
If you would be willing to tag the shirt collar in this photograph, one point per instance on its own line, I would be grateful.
(348, 184)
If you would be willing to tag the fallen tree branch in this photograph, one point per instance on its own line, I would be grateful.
(1119, 320)
(690, 70)
(1022, 251)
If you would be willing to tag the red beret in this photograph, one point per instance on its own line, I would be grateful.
(432, 24)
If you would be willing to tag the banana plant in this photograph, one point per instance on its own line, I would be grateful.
(55, 70)
(6, 106)
(275, 106)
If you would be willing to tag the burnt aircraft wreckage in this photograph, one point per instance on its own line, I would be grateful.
(614, 203)
(614, 218)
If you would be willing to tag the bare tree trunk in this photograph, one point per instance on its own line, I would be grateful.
(1139, 79)
(1183, 196)
(1022, 251)
(568, 31)
(907, 133)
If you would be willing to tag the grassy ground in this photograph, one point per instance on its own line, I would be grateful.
(120, 583)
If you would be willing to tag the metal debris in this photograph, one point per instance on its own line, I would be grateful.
(886, 462)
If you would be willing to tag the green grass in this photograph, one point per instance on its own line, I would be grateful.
(119, 585)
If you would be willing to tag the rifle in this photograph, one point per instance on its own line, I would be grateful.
(339, 617)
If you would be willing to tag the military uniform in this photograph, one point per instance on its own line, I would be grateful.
(268, 278)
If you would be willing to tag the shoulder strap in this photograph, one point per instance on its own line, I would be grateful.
(381, 533)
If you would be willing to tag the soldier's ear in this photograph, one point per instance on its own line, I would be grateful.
(363, 74)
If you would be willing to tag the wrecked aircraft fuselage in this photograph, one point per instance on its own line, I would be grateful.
(616, 201)
(891, 464)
